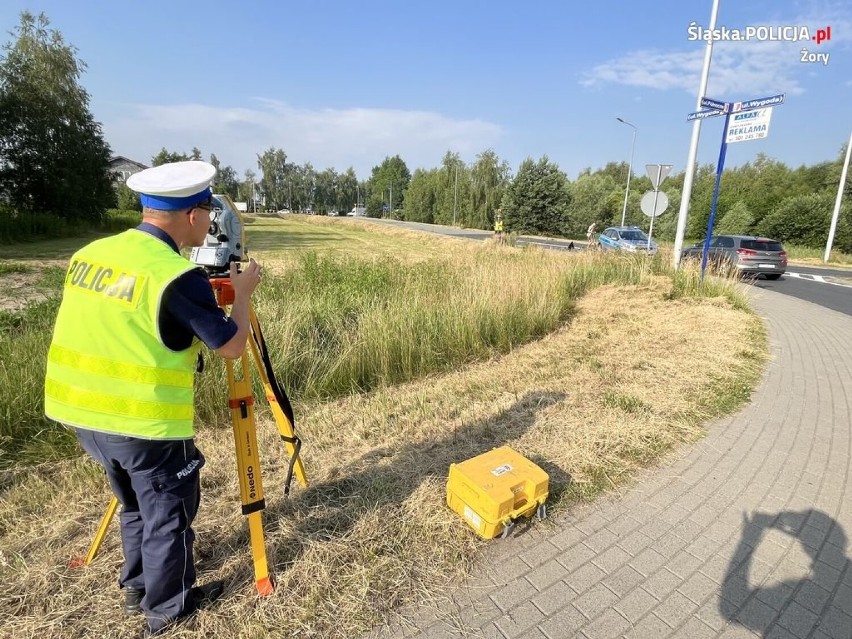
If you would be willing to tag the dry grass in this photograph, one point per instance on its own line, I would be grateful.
(590, 403)
(343, 236)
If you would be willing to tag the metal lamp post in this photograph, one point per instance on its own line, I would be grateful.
(629, 169)
(837, 203)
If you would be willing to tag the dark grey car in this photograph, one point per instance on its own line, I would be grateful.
(748, 254)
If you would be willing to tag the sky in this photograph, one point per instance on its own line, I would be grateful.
(344, 83)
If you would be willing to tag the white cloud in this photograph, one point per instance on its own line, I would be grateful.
(738, 69)
(356, 137)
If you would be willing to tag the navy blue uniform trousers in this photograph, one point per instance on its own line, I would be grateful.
(157, 483)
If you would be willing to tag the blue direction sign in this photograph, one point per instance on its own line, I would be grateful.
(700, 115)
(724, 107)
(759, 103)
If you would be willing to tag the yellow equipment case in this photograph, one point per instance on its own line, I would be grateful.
(491, 491)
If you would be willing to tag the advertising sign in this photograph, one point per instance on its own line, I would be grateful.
(748, 125)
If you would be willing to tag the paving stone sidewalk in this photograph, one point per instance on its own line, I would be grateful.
(744, 534)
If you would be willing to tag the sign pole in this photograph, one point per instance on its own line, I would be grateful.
(719, 167)
(693, 142)
(656, 195)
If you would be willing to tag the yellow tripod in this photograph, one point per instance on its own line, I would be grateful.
(241, 403)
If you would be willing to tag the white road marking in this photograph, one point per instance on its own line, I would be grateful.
(820, 279)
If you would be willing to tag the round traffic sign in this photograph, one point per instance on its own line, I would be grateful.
(647, 204)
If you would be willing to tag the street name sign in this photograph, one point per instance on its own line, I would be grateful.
(709, 103)
(758, 103)
(700, 115)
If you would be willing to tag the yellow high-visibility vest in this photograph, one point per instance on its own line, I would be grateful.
(107, 368)
(498, 226)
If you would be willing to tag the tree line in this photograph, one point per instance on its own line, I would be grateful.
(54, 169)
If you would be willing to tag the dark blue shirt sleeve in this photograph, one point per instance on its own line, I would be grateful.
(189, 309)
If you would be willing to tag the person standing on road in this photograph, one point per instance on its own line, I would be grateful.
(590, 235)
(498, 226)
(120, 371)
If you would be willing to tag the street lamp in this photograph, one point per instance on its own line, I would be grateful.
(629, 169)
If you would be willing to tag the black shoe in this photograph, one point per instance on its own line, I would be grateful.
(205, 595)
(133, 601)
(202, 596)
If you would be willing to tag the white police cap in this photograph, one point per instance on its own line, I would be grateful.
(173, 186)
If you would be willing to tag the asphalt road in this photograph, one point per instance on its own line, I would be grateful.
(829, 288)
(476, 234)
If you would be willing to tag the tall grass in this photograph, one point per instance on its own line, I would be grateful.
(18, 227)
(808, 254)
(25, 435)
(336, 326)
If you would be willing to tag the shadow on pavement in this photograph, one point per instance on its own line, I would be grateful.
(792, 605)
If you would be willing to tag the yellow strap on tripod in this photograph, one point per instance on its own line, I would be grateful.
(276, 396)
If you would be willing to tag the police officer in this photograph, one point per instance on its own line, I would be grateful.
(120, 371)
(498, 226)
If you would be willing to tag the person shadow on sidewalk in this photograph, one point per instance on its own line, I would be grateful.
(792, 605)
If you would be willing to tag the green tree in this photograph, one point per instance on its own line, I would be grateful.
(325, 187)
(127, 199)
(595, 197)
(307, 185)
(805, 220)
(812, 179)
(453, 178)
(421, 196)
(618, 172)
(737, 220)
(538, 199)
(834, 172)
(702, 197)
(388, 180)
(769, 182)
(53, 157)
(164, 157)
(348, 190)
(248, 190)
(490, 177)
(226, 180)
(276, 183)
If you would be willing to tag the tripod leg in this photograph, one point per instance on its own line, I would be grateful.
(241, 402)
(99, 536)
(284, 423)
(262, 579)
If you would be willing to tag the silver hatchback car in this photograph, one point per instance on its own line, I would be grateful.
(748, 254)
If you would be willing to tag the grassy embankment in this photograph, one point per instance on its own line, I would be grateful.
(405, 353)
